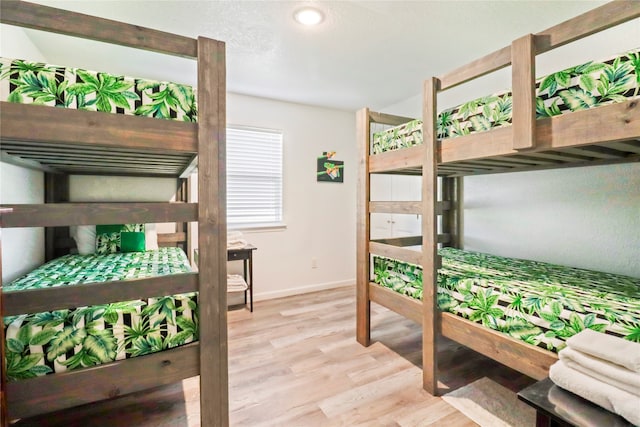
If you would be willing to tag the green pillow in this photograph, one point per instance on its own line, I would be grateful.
(109, 238)
(131, 241)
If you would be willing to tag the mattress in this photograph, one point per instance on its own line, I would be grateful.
(585, 86)
(539, 303)
(43, 343)
(38, 83)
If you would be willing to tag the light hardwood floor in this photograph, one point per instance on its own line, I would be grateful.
(295, 362)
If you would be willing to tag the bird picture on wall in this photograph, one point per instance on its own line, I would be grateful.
(329, 169)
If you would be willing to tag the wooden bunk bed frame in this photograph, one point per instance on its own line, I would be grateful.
(529, 144)
(76, 136)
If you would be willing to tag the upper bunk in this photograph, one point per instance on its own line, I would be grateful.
(102, 123)
(585, 115)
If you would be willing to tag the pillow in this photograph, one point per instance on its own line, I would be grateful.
(85, 237)
(150, 237)
(132, 241)
(109, 237)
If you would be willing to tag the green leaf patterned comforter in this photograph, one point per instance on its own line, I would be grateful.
(28, 82)
(44, 343)
(577, 88)
(539, 303)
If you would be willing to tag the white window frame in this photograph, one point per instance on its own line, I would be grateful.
(277, 220)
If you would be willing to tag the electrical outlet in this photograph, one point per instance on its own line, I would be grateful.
(314, 262)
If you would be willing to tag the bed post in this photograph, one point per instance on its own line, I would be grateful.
(523, 80)
(363, 304)
(212, 233)
(430, 256)
(452, 215)
(56, 190)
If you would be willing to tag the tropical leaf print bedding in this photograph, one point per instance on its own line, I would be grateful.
(539, 303)
(577, 88)
(28, 82)
(43, 343)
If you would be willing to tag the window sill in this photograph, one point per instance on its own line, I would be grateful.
(258, 228)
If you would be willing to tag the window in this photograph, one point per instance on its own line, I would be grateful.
(254, 177)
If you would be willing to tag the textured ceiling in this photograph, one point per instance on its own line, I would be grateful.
(366, 53)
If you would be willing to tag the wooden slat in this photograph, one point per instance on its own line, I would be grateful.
(480, 67)
(625, 146)
(43, 124)
(606, 16)
(60, 214)
(591, 22)
(172, 237)
(25, 163)
(363, 306)
(405, 207)
(67, 389)
(528, 359)
(396, 159)
(604, 124)
(396, 252)
(596, 152)
(212, 232)
(38, 17)
(523, 78)
(58, 298)
(388, 119)
(401, 304)
(430, 259)
(401, 241)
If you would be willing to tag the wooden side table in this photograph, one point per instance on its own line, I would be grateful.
(246, 256)
(558, 407)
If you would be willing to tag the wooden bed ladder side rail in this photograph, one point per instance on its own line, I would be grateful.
(523, 80)
(363, 303)
(599, 19)
(452, 215)
(431, 260)
(212, 233)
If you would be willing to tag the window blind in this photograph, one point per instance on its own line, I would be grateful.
(254, 176)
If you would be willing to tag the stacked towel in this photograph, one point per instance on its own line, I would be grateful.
(602, 369)
(236, 283)
(235, 240)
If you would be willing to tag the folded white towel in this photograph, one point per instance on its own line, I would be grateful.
(237, 244)
(602, 370)
(610, 398)
(607, 347)
(236, 283)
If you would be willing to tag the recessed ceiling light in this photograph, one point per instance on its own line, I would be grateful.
(308, 16)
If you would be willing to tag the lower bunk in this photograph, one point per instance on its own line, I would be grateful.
(72, 356)
(517, 312)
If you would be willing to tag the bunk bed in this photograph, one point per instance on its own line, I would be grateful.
(435, 284)
(170, 142)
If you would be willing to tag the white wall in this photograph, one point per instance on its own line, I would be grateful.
(320, 217)
(586, 217)
(22, 248)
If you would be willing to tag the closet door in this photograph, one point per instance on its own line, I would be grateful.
(406, 188)
(395, 188)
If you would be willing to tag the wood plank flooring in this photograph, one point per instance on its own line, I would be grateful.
(295, 362)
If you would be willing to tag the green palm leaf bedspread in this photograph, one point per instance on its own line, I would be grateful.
(28, 82)
(577, 88)
(539, 303)
(43, 343)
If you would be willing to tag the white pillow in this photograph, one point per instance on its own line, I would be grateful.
(85, 237)
(150, 237)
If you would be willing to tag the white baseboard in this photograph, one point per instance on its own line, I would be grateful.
(261, 296)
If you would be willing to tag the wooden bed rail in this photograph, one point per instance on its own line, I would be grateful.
(50, 19)
(58, 298)
(591, 22)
